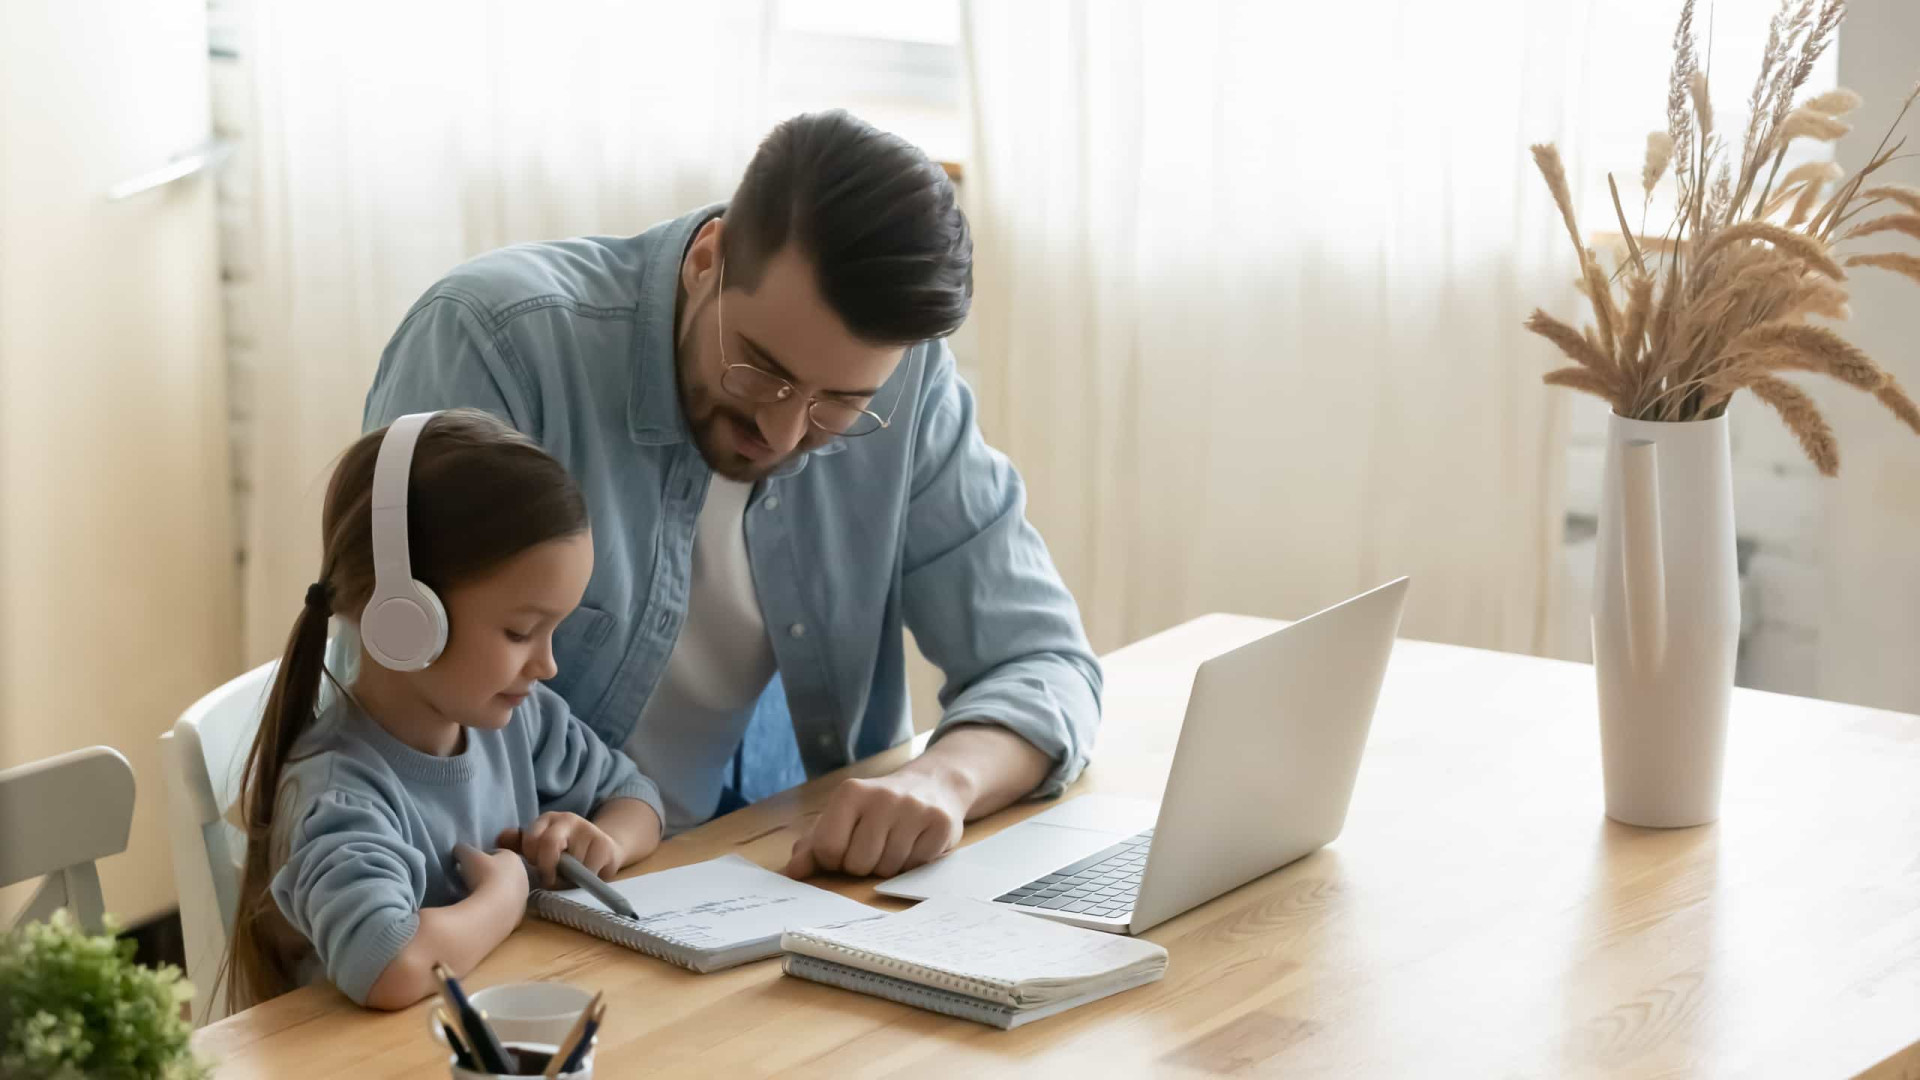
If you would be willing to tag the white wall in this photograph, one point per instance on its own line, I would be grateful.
(1868, 524)
(117, 591)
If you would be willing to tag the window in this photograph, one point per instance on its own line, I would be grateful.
(1629, 55)
(896, 65)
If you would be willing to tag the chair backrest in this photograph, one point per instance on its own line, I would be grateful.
(203, 758)
(56, 817)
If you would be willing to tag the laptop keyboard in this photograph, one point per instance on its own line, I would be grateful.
(1102, 884)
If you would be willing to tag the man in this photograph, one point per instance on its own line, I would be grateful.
(783, 469)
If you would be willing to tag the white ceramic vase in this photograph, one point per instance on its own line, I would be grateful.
(1666, 619)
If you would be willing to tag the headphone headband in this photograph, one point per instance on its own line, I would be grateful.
(392, 561)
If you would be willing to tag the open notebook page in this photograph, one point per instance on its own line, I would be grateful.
(1029, 956)
(723, 903)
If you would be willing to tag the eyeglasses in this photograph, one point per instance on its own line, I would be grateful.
(760, 387)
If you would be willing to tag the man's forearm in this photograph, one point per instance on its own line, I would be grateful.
(987, 767)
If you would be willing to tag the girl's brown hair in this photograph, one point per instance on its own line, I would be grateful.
(479, 493)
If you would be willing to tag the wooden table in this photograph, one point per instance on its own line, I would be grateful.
(1479, 917)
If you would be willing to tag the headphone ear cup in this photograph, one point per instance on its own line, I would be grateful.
(405, 631)
(438, 627)
(404, 626)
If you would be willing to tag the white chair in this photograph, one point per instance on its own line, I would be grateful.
(202, 759)
(57, 817)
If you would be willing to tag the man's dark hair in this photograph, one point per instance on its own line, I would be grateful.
(877, 220)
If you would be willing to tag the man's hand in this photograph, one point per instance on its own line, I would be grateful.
(894, 823)
(882, 826)
(552, 834)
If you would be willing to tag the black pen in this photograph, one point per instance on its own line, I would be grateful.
(576, 872)
(454, 1041)
(482, 1043)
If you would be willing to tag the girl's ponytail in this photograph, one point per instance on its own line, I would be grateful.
(256, 966)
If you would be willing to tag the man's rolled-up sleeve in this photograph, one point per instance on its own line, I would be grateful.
(982, 596)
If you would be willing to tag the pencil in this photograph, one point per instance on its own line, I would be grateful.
(564, 1052)
(585, 1046)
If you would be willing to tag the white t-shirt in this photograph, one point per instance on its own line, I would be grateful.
(721, 663)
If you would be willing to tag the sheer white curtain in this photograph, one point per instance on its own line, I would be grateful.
(1250, 284)
(389, 142)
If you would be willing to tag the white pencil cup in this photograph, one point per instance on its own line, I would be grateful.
(512, 1027)
(533, 1059)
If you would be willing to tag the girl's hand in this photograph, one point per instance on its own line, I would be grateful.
(552, 834)
(499, 870)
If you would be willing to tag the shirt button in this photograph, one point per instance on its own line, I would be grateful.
(824, 742)
(772, 503)
(798, 630)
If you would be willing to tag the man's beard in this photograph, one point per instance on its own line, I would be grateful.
(715, 442)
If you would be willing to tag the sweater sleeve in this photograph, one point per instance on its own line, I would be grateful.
(573, 770)
(352, 886)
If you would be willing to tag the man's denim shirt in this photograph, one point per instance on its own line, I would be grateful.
(921, 524)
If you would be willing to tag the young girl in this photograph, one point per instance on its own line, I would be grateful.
(370, 818)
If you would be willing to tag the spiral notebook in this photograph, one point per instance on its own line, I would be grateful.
(975, 960)
(706, 916)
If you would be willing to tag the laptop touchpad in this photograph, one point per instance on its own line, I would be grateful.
(1016, 855)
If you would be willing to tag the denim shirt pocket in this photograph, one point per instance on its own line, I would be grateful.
(585, 667)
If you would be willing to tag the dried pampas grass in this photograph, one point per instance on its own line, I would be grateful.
(1546, 157)
(1896, 400)
(1905, 194)
(1813, 172)
(1794, 346)
(1805, 421)
(1803, 206)
(1805, 124)
(1906, 223)
(1579, 379)
(1818, 296)
(1798, 244)
(1898, 262)
(1639, 307)
(1721, 304)
(1836, 102)
(1659, 153)
(1581, 349)
(1702, 104)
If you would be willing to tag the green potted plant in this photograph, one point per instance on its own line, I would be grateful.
(74, 1005)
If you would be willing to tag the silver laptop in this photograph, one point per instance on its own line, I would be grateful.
(1261, 776)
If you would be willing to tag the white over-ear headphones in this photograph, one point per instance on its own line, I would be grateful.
(404, 626)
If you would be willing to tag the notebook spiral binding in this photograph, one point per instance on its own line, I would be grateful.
(992, 990)
(945, 1002)
(608, 926)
